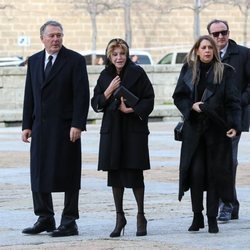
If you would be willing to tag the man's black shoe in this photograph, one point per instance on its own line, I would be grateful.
(224, 216)
(62, 231)
(40, 226)
(225, 212)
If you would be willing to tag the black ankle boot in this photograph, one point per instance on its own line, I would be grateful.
(120, 224)
(141, 225)
(198, 222)
(212, 225)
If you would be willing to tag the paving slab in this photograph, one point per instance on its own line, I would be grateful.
(168, 219)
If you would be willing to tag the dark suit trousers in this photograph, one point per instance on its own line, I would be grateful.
(236, 204)
(201, 178)
(235, 142)
(43, 206)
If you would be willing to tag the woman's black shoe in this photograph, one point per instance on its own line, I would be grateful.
(212, 225)
(198, 222)
(120, 225)
(141, 225)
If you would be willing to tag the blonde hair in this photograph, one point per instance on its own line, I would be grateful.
(194, 62)
(114, 43)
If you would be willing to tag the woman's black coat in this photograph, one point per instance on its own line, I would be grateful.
(124, 137)
(222, 109)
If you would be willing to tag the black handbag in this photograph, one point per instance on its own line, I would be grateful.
(129, 98)
(178, 131)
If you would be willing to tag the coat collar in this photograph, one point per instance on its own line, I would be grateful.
(131, 75)
(58, 64)
(40, 60)
(187, 78)
(232, 49)
(210, 89)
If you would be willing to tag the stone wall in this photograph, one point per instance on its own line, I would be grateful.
(12, 81)
(153, 28)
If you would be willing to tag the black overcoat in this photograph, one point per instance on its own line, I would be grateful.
(221, 102)
(239, 57)
(50, 109)
(124, 137)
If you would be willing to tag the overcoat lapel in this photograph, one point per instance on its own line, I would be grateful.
(57, 66)
(40, 66)
(207, 94)
(187, 78)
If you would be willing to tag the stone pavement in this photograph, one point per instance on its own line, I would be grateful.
(168, 219)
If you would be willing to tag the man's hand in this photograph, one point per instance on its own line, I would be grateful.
(26, 134)
(75, 134)
(231, 133)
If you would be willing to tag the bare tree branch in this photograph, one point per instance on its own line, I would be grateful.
(94, 8)
(5, 6)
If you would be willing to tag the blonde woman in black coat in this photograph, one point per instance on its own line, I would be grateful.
(206, 96)
(123, 149)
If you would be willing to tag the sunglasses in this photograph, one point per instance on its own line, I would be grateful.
(223, 33)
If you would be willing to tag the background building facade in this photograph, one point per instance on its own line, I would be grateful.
(157, 26)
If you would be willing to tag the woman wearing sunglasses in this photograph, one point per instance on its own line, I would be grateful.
(207, 97)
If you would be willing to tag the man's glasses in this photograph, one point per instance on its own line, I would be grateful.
(223, 33)
(51, 35)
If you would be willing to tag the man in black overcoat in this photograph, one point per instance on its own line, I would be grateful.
(238, 57)
(56, 104)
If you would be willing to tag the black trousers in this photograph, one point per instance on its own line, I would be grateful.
(201, 178)
(235, 204)
(43, 207)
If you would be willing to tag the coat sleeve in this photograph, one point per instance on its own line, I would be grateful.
(245, 94)
(146, 103)
(28, 104)
(81, 95)
(182, 95)
(98, 101)
(232, 100)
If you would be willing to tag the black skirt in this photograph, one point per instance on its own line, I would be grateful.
(128, 178)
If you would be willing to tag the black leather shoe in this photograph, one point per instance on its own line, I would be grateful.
(224, 216)
(40, 226)
(62, 231)
(225, 212)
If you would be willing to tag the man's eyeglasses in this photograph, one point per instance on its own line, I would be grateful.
(223, 33)
(51, 35)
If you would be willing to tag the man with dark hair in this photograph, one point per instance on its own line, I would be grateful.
(238, 57)
(56, 104)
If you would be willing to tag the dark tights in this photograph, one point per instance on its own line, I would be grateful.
(118, 198)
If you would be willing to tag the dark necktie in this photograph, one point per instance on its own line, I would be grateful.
(48, 67)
